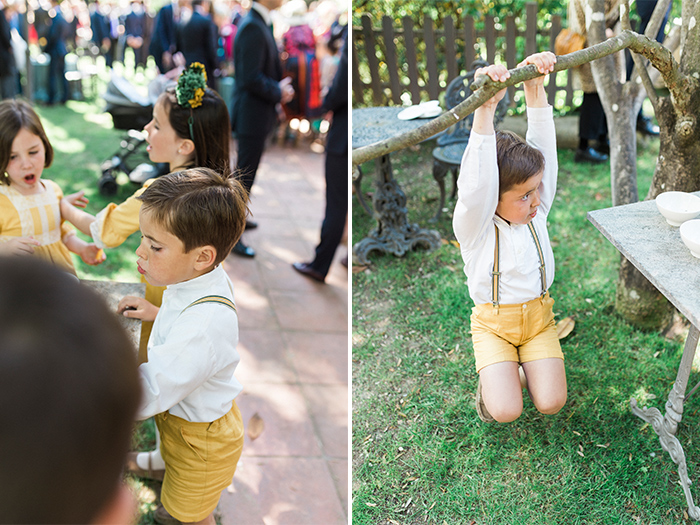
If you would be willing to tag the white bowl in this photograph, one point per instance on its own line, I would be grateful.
(690, 233)
(678, 206)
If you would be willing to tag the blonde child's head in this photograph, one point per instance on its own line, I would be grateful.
(517, 160)
(15, 116)
(200, 207)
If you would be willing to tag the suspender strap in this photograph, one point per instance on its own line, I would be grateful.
(214, 299)
(543, 275)
(495, 274)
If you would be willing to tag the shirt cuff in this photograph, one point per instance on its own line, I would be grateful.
(540, 114)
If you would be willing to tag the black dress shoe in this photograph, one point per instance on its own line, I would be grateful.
(250, 225)
(646, 127)
(306, 269)
(590, 155)
(603, 147)
(243, 250)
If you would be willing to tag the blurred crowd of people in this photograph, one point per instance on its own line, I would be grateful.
(308, 37)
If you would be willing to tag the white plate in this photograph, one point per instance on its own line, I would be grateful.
(431, 112)
(411, 112)
(428, 109)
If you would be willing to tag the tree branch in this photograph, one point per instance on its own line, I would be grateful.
(485, 88)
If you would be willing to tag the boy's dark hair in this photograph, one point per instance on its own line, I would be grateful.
(16, 115)
(211, 128)
(517, 160)
(69, 391)
(200, 207)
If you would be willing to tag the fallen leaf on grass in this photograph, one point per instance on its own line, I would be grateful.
(564, 327)
(358, 269)
(370, 504)
(256, 425)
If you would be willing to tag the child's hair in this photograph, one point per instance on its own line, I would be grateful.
(16, 115)
(211, 128)
(200, 207)
(70, 392)
(517, 160)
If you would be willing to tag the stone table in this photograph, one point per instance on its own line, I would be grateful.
(393, 234)
(656, 249)
(112, 292)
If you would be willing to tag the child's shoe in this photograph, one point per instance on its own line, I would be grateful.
(163, 517)
(523, 378)
(481, 406)
(149, 472)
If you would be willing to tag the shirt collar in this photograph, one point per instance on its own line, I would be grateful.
(263, 11)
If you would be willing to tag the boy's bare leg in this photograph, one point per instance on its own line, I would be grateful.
(546, 384)
(501, 390)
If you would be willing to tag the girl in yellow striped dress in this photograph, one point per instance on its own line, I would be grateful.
(30, 215)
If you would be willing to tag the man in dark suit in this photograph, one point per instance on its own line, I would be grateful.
(56, 48)
(135, 29)
(197, 40)
(259, 88)
(99, 25)
(163, 40)
(8, 72)
(336, 101)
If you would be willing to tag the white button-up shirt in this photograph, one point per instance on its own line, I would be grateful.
(192, 352)
(475, 216)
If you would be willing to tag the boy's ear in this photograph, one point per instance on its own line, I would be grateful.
(205, 257)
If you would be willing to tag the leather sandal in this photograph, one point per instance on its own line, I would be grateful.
(481, 406)
(163, 517)
(150, 473)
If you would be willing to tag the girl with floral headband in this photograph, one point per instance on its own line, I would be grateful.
(190, 128)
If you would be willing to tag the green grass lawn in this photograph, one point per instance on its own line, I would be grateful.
(421, 454)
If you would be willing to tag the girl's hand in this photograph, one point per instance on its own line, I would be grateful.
(93, 255)
(545, 65)
(19, 246)
(497, 73)
(137, 308)
(76, 199)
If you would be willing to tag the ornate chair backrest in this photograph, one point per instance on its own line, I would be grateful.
(457, 91)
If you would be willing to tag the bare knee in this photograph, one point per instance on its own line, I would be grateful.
(552, 404)
(507, 412)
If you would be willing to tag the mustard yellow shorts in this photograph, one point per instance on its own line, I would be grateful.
(514, 332)
(200, 460)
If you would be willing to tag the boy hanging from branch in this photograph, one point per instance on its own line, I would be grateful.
(506, 189)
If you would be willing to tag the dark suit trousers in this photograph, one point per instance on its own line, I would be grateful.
(250, 150)
(336, 211)
(592, 124)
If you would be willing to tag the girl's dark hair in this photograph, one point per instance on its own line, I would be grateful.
(16, 115)
(517, 160)
(211, 129)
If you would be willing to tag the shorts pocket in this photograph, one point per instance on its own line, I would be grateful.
(195, 442)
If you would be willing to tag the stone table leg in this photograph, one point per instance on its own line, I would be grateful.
(393, 233)
(666, 425)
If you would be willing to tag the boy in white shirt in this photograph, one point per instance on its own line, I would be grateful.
(189, 222)
(506, 189)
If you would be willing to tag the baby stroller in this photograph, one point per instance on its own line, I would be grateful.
(130, 111)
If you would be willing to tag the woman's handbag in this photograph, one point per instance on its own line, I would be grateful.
(567, 42)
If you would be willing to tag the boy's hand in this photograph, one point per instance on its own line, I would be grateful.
(137, 308)
(497, 73)
(535, 95)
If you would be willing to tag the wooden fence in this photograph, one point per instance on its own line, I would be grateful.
(395, 65)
